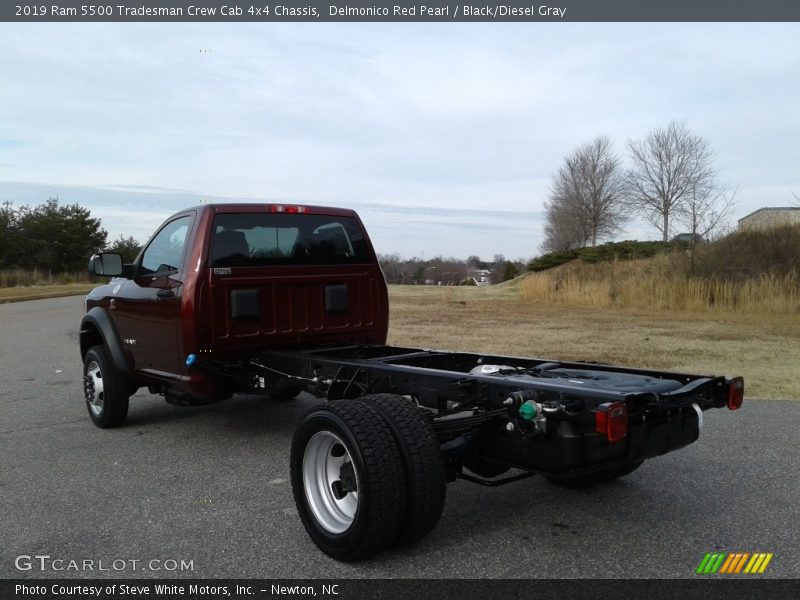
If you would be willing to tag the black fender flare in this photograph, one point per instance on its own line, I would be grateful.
(99, 319)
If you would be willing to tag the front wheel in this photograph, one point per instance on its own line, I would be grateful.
(105, 390)
(347, 479)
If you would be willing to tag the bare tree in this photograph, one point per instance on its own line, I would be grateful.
(603, 186)
(473, 261)
(565, 228)
(704, 208)
(586, 198)
(667, 165)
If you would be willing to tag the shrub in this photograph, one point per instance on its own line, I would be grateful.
(751, 254)
(627, 250)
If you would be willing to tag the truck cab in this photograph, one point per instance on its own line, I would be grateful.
(220, 281)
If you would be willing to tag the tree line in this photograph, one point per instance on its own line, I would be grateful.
(670, 178)
(54, 237)
(60, 238)
(447, 271)
(48, 237)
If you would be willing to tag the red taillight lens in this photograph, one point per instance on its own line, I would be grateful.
(735, 393)
(280, 208)
(611, 419)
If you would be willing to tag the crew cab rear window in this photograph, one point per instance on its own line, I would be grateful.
(266, 239)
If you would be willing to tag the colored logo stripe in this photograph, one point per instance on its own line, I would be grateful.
(710, 563)
(734, 562)
(758, 563)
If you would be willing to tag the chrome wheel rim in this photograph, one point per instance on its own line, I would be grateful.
(94, 388)
(330, 482)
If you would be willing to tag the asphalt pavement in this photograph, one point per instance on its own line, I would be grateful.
(203, 492)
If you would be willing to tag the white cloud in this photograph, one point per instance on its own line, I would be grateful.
(449, 116)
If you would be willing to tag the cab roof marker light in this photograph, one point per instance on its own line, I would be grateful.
(280, 208)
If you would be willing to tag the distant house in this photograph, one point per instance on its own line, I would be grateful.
(481, 276)
(767, 218)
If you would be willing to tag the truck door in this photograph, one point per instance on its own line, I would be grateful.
(147, 309)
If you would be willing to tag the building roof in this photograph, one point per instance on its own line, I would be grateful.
(755, 212)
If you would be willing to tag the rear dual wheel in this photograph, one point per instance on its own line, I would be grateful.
(423, 464)
(366, 474)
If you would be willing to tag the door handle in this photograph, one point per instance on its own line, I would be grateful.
(165, 294)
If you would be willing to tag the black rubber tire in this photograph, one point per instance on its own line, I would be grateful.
(116, 389)
(423, 464)
(378, 470)
(582, 481)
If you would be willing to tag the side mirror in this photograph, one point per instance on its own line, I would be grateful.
(106, 263)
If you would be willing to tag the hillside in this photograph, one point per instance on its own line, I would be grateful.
(744, 272)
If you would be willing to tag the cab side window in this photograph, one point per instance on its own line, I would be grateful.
(165, 251)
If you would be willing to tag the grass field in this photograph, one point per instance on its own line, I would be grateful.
(660, 283)
(500, 319)
(37, 292)
(496, 319)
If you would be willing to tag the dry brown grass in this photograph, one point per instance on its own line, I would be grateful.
(34, 277)
(18, 294)
(764, 349)
(659, 284)
(32, 284)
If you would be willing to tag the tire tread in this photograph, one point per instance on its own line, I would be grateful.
(422, 462)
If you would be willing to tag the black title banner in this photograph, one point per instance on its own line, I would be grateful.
(398, 11)
(386, 589)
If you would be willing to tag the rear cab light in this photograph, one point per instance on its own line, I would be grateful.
(611, 420)
(735, 393)
(283, 208)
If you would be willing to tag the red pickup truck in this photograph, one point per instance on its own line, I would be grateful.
(279, 299)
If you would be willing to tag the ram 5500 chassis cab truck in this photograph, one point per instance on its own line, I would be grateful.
(279, 299)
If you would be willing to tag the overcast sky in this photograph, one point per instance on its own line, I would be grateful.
(444, 136)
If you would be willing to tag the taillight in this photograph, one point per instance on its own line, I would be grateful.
(611, 419)
(280, 208)
(735, 393)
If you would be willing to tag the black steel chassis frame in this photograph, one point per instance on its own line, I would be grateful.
(459, 402)
(440, 380)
